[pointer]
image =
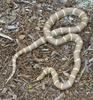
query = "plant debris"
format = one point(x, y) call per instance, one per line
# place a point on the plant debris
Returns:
point(21, 23)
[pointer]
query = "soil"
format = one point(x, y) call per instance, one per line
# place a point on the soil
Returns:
point(23, 21)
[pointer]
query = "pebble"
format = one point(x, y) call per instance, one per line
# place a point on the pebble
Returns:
point(40, 11)
point(37, 28)
point(21, 37)
point(39, 5)
point(36, 66)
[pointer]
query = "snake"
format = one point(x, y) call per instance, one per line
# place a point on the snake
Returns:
point(49, 36)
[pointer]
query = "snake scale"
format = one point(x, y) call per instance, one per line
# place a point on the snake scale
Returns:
point(49, 36)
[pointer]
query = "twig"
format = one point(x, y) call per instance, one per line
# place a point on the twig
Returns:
point(5, 36)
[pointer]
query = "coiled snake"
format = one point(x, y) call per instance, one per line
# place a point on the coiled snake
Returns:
point(49, 36)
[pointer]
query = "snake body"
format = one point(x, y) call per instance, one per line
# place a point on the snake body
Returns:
point(74, 29)
point(77, 63)
point(49, 36)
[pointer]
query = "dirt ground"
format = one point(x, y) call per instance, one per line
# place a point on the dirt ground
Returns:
point(22, 22)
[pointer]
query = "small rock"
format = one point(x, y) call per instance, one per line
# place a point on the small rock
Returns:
point(37, 28)
point(40, 11)
point(36, 66)
point(39, 5)
point(21, 37)
point(33, 18)
point(64, 59)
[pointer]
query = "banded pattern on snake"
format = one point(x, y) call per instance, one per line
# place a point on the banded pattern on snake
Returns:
point(74, 29)
point(50, 38)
